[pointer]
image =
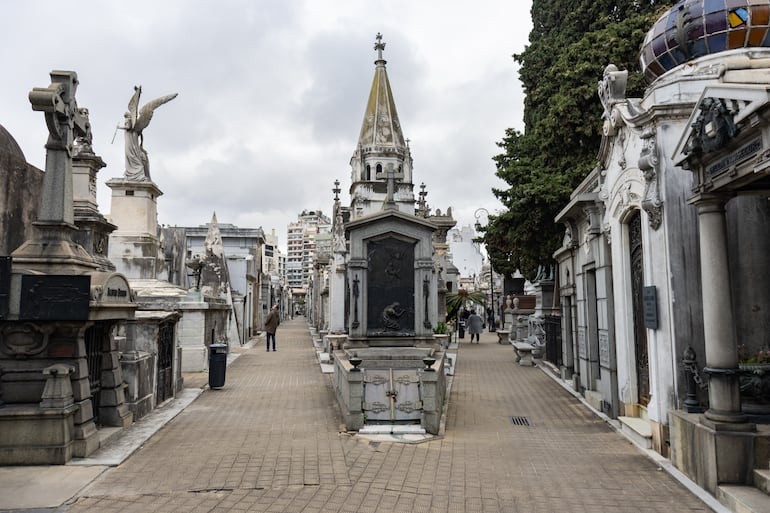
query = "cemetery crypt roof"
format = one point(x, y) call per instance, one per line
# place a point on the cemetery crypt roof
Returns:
point(694, 28)
point(8, 144)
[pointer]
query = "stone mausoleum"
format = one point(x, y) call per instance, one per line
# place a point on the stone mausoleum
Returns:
point(661, 272)
point(386, 275)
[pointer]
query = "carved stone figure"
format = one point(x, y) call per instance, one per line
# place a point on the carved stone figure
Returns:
point(136, 120)
point(391, 315)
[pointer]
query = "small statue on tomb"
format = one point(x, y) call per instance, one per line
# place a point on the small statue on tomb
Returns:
point(136, 120)
point(391, 315)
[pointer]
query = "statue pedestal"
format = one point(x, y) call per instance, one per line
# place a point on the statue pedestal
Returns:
point(134, 246)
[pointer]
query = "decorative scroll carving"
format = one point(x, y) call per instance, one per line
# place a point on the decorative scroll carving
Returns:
point(377, 379)
point(612, 90)
point(406, 379)
point(409, 406)
point(26, 339)
point(648, 164)
point(376, 407)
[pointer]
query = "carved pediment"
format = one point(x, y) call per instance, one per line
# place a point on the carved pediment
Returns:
point(110, 288)
point(718, 120)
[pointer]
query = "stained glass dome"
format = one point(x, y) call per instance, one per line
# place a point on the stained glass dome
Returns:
point(694, 28)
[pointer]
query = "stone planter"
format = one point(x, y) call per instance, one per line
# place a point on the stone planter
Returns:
point(442, 340)
point(755, 384)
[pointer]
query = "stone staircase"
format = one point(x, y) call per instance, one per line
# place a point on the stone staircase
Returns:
point(747, 499)
point(752, 498)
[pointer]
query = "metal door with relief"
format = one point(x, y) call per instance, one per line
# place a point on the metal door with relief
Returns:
point(392, 395)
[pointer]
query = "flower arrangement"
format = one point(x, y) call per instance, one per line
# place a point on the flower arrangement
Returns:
point(441, 329)
point(760, 357)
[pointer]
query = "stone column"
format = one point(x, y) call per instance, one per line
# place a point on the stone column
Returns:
point(718, 325)
point(337, 293)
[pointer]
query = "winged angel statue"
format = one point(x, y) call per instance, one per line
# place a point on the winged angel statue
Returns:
point(137, 163)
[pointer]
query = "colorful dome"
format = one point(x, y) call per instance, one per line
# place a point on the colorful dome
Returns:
point(706, 27)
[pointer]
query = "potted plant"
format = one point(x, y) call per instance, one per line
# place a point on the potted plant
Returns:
point(441, 334)
point(755, 375)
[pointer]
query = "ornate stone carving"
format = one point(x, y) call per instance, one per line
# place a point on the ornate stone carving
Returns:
point(648, 164)
point(713, 128)
point(612, 90)
point(26, 339)
point(136, 120)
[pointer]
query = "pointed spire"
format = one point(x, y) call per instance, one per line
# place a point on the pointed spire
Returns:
point(213, 240)
point(381, 126)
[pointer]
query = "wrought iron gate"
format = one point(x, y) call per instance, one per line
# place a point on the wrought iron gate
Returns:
point(553, 350)
point(165, 386)
point(94, 341)
point(392, 395)
point(640, 334)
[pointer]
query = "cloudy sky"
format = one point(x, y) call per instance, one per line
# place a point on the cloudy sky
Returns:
point(272, 94)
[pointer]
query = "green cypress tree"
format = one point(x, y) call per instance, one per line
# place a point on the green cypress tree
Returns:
point(571, 43)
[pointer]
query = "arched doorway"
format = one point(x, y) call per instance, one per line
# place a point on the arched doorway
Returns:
point(637, 283)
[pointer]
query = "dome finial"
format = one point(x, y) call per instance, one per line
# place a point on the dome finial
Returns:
point(379, 46)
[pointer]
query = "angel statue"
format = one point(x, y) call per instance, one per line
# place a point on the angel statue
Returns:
point(137, 163)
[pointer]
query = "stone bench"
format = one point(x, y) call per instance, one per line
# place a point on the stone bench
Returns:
point(503, 336)
point(523, 352)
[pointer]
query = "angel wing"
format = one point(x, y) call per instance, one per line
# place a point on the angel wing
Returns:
point(145, 113)
point(133, 104)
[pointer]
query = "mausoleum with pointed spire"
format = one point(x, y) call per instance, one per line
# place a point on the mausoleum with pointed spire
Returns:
point(381, 146)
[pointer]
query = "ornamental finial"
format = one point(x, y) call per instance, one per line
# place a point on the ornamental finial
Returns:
point(379, 46)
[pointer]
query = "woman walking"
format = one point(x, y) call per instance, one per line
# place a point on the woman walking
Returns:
point(475, 325)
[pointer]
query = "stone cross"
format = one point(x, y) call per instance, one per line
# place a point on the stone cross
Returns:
point(65, 122)
point(379, 46)
point(391, 178)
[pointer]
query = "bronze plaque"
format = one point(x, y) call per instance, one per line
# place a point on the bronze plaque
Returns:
point(55, 297)
point(390, 288)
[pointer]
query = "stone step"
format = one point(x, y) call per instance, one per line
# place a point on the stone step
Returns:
point(743, 499)
point(638, 430)
point(370, 429)
point(762, 480)
point(107, 435)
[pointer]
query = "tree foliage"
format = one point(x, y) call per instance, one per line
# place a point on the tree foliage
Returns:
point(571, 43)
point(455, 301)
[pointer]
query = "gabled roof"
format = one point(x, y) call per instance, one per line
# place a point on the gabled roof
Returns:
point(385, 214)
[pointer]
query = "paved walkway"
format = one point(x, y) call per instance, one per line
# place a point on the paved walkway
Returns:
point(271, 440)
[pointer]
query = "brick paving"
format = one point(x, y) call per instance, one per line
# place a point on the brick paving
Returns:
point(271, 441)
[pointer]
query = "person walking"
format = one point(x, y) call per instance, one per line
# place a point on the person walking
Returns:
point(271, 325)
point(475, 325)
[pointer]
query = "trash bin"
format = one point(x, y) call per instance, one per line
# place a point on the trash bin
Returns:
point(462, 328)
point(217, 365)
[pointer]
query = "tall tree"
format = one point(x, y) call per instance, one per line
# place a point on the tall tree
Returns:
point(571, 42)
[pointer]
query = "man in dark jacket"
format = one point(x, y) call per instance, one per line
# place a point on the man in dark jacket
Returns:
point(271, 325)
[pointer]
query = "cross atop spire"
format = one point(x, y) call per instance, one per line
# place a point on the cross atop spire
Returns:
point(379, 46)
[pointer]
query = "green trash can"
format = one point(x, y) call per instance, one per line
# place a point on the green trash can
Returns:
point(217, 365)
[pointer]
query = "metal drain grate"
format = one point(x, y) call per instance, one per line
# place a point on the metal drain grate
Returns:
point(520, 421)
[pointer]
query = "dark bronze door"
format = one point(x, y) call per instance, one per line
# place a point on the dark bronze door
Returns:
point(165, 385)
point(95, 337)
point(640, 334)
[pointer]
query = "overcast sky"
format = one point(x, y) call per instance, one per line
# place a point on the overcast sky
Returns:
point(272, 94)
